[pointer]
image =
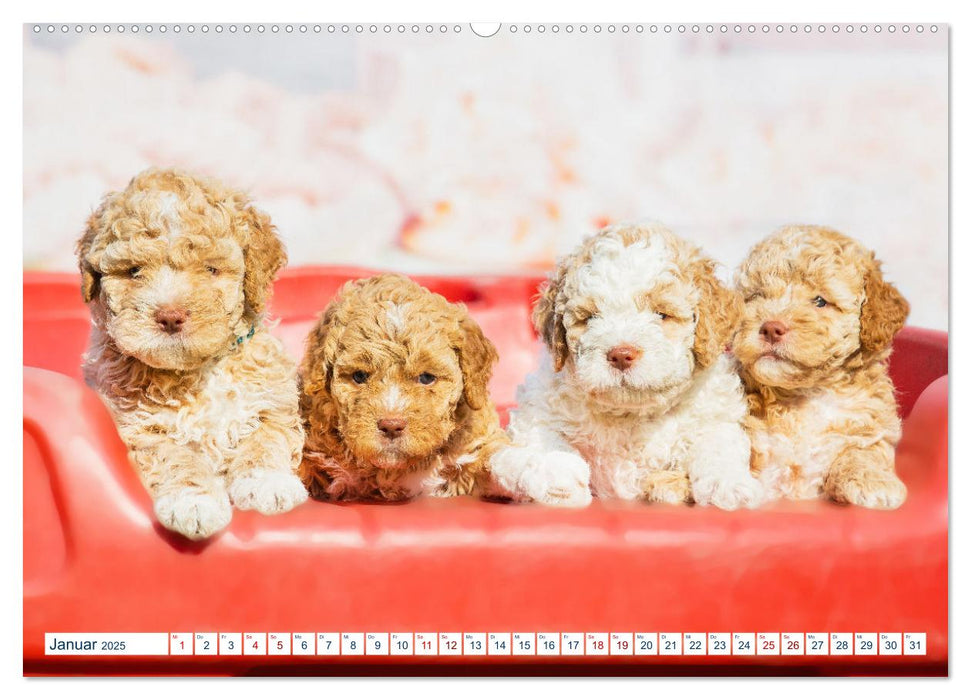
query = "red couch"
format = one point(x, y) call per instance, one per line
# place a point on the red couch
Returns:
point(95, 560)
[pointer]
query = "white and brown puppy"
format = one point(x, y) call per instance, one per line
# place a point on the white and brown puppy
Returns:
point(812, 348)
point(635, 398)
point(176, 271)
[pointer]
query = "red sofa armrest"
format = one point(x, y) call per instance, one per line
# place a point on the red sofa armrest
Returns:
point(923, 450)
point(76, 474)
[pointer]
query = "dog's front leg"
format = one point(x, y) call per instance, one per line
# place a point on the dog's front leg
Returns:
point(718, 459)
point(470, 470)
point(544, 468)
point(866, 477)
point(262, 475)
point(188, 495)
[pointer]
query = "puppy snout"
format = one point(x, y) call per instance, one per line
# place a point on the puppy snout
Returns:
point(623, 356)
point(392, 427)
point(171, 319)
point(773, 331)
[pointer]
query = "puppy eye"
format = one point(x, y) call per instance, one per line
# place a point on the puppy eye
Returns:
point(664, 317)
point(212, 270)
point(359, 377)
point(819, 301)
point(134, 271)
point(426, 378)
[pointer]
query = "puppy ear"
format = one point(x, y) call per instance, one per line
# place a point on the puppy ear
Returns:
point(318, 363)
point(549, 322)
point(883, 313)
point(318, 409)
point(477, 355)
point(263, 255)
point(717, 315)
point(90, 277)
point(317, 367)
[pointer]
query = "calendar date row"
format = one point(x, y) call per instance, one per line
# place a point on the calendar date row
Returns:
point(550, 643)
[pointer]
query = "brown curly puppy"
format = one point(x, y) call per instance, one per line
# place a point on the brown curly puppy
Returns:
point(394, 396)
point(176, 271)
point(813, 347)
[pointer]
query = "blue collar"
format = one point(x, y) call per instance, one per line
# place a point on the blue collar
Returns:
point(240, 339)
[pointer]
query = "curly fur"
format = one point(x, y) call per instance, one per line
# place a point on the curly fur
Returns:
point(390, 331)
point(210, 413)
point(667, 428)
point(823, 415)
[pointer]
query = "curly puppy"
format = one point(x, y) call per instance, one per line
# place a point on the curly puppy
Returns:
point(635, 397)
point(176, 271)
point(812, 348)
point(394, 396)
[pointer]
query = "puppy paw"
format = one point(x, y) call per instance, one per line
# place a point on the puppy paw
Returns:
point(870, 488)
point(267, 491)
point(666, 487)
point(554, 477)
point(558, 479)
point(194, 514)
point(728, 492)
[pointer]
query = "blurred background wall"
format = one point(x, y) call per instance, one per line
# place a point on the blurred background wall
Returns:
point(455, 153)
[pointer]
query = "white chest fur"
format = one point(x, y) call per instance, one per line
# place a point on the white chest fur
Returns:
point(213, 418)
point(797, 454)
point(622, 449)
point(621, 452)
point(230, 411)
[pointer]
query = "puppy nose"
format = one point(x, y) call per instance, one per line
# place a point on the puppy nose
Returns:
point(171, 319)
point(772, 331)
point(392, 427)
point(623, 356)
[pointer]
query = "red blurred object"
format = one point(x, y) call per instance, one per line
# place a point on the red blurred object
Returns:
point(95, 560)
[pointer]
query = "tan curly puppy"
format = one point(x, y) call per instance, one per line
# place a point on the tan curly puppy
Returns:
point(813, 346)
point(176, 271)
point(395, 396)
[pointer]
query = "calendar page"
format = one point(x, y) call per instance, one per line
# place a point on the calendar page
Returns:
point(415, 348)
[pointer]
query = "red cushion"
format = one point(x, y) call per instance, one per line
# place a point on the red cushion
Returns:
point(95, 560)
